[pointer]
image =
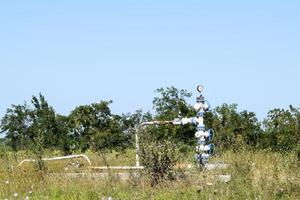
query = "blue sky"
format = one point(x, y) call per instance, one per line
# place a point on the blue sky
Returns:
point(79, 52)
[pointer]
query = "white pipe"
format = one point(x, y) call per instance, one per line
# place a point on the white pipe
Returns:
point(157, 123)
point(119, 167)
point(58, 158)
point(178, 121)
point(200, 121)
point(137, 150)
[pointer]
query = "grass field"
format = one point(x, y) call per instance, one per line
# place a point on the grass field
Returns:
point(255, 175)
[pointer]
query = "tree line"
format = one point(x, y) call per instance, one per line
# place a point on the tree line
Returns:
point(36, 126)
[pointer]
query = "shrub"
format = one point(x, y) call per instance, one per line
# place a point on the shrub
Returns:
point(158, 156)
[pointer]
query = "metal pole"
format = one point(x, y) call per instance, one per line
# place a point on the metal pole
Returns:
point(137, 152)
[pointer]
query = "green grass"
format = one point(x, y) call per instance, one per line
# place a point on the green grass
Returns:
point(255, 175)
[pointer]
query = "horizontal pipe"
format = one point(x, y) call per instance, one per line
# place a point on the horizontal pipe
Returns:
point(58, 158)
point(157, 123)
point(119, 167)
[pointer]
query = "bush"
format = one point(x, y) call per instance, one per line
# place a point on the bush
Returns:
point(158, 156)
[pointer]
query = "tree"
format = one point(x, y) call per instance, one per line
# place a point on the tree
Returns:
point(94, 126)
point(15, 124)
point(44, 123)
point(114, 136)
point(37, 126)
point(44, 132)
point(66, 140)
point(34, 128)
point(233, 129)
point(170, 104)
point(282, 129)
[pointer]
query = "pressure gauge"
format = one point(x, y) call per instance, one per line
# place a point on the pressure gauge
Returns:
point(200, 88)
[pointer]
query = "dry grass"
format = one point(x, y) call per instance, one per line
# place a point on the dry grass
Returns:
point(255, 175)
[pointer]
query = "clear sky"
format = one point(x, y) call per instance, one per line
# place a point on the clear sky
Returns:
point(79, 52)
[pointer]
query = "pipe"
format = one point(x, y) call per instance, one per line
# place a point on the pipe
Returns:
point(58, 158)
point(119, 167)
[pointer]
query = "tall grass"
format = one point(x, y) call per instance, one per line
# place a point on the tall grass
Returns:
point(255, 175)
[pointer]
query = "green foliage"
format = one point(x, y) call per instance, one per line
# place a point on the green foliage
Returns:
point(172, 103)
point(282, 129)
point(33, 128)
point(261, 171)
point(87, 120)
point(260, 174)
point(15, 124)
point(93, 126)
point(65, 139)
point(158, 155)
point(233, 129)
point(37, 126)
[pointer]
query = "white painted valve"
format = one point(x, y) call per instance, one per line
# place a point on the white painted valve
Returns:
point(200, 134)
point(205, 156)
point(209, 134)
point(202, 148)
point(201, 140)
point(201, 106)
